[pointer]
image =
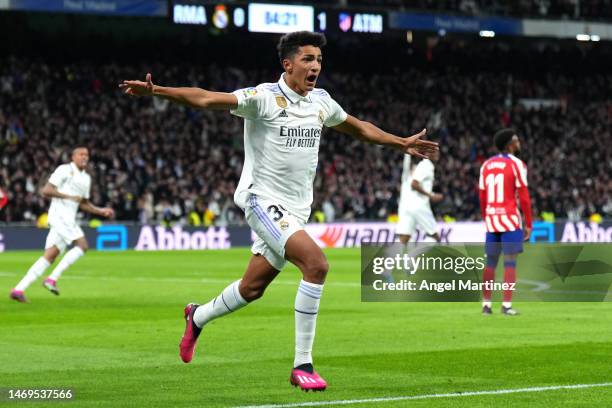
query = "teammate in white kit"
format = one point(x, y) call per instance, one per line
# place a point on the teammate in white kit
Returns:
point(282, 132)
point(416, 193)
point(68, 188)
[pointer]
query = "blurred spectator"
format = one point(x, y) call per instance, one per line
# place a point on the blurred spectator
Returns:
point(158, 162)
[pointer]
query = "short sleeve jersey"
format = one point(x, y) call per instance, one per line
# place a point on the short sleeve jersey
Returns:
point(424, 174)
point(68, 179)
point(500, 177)
point(282, 133)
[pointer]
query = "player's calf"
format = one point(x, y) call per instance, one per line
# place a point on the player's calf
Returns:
point(196, 316)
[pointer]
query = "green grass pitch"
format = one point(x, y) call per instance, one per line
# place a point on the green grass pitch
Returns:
point(112, 336)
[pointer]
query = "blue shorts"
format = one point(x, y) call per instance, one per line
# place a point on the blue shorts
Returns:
point(511, 242)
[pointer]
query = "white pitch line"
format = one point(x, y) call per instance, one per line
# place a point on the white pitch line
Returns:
point(179, 280)
point(429, 396)
point(539, 286)
point(7, 274)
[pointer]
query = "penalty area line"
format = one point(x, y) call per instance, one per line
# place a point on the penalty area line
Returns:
point(430, 396)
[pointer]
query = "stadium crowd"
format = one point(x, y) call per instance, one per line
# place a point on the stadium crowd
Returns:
point(553, 9)
point(157, 162)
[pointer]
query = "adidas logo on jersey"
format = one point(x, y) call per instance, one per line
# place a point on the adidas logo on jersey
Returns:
point(283, 114)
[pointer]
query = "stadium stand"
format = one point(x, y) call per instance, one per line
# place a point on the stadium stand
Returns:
point(159, 163)
point(546, 9)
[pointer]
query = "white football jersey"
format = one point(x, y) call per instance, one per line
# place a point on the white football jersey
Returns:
point(282, 132)
point(69, 180)
point(424, 174)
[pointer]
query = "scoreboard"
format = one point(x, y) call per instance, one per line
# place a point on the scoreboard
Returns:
point(275, 18)
point(279, 18)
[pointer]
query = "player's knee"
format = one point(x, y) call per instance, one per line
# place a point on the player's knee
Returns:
point(251, 291)
point(51, 254)
point(82, 243)
point(315, 271)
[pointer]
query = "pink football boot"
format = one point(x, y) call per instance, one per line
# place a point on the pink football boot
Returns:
point(306, 381)
point(18, 295)
point(51, 286)
point(190, 337)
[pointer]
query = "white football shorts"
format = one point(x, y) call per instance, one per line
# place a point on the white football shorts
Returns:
point(62, 235)
point(273, 225)
point(411, 218)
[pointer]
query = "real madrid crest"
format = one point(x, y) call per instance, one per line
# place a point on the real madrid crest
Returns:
point(284, 225)
point(281, 101)
point(321, 117)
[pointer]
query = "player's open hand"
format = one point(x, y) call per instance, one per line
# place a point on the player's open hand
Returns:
point(138, 88)
point(526, 233)
point(107, 212)
point(414, 146)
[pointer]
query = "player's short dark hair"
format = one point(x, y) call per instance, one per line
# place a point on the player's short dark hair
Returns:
point(77, 147)
point(503, 137)
point(289, 43)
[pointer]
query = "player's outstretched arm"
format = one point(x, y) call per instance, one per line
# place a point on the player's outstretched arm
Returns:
point(87, 206)
point(367, 132)
point(193, 97)
point(51, 191)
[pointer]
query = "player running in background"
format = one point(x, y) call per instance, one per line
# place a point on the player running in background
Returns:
point(415, 197)
point(282, 132)
point(502, 178)
point(68, 188)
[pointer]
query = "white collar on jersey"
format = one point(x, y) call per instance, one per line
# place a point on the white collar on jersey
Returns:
point(74, 167)
point(290, 93)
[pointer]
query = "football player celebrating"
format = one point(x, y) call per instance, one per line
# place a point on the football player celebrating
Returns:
point(283, 124)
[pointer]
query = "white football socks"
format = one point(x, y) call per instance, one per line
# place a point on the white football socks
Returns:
point(68, 259)
point(228, 301)
point(306, 310)
point(33, 273)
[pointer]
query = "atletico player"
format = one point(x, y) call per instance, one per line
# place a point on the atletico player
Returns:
point(503, 177)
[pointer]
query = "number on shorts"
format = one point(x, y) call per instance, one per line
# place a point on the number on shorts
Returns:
point(277, 213)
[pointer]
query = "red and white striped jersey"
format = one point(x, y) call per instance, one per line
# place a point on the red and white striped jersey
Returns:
point(501, 177)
